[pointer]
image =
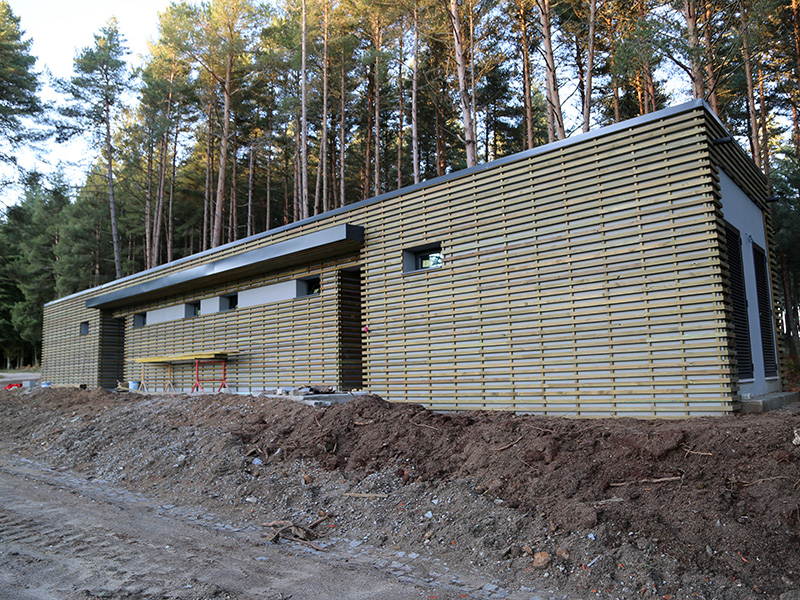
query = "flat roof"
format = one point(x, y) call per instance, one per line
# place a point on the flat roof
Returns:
point(305, 248)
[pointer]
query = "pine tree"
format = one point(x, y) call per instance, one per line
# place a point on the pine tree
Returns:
point(19, 84)
point(96, 89)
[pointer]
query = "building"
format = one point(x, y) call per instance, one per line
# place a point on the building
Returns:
point(623, 272)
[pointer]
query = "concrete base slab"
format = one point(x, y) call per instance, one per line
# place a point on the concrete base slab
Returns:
point(767, 402)
point(324, 399)
point(312, 399)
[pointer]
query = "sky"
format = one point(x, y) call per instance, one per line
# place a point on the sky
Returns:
point(59, 29)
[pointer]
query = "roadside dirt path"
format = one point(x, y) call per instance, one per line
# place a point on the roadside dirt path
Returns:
point(94, 486)
point(63, 537)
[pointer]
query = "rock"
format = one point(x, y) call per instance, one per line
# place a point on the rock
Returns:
point(790, 595)
point(541, 560)
point(796, 440)
point(562, 553)
point(513, 551)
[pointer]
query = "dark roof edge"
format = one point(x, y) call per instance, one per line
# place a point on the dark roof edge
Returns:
point(342, 232)
point(583, 137)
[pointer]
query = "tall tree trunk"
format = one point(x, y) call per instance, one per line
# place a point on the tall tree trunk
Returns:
point(323, 158)
point(696, 68)
point(111, 200)
point(764, 124)
point(250, 172)
point(207, 193)
point(268, 221)
point(553, 98)
point(440, 154)
point(612, 63)
point(342, 132)
point(148, 207)
point(378, 35)
point(472, 84)
point(216, 236)
point(158, 212)
point(286, 209)
point(527, 91)
point(414, 87)
point(370, 116)
point(304, 120)
point(463, 93)
point(400, 107)
point(751, 101)
point(233, 217)
point(162, 177)
point(711, 75)
point(171, 223)
point(588, 89)
point(796, 130)
point(794, 96)
point(298, 177)
point(790, 307)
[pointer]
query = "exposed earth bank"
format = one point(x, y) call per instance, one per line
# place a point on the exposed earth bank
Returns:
point(703, 508)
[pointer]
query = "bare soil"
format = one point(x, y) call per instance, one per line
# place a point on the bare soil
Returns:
point(473, 505)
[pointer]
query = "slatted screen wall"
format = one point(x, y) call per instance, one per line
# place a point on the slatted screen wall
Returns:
point(584, 279)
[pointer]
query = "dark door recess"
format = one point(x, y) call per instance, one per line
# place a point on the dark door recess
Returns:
point(741, 326)
point(765, 319)
point(351, 329)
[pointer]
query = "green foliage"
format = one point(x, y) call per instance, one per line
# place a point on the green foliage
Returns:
point(29, 237)
point(94, 92)
point(19, 84)
point(84, 256)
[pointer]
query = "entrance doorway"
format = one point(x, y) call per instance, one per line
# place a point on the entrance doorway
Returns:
point(350, 329)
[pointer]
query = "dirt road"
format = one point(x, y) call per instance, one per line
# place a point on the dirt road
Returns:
point(126, 496)
point(64, 537)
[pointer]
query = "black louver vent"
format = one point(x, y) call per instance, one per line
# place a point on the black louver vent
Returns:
point(765, 312)
point(741, 327)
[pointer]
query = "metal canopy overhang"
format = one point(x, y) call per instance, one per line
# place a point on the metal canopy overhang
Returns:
point(312, 247)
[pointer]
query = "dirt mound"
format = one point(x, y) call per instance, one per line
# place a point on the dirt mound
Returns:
point(615, 508)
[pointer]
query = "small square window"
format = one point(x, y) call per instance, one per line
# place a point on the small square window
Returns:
point(229, 302)
point(308, 287)
point(423, 258)
point(192, 310)
point(139, 320)
point(85, 328)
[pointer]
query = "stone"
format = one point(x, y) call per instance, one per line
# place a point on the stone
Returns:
point(512, 551)
point(541, 560)
point(562, 553)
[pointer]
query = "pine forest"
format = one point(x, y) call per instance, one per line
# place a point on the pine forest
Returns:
point(249, 115)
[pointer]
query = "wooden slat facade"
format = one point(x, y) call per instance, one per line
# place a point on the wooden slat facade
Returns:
point(583, 278)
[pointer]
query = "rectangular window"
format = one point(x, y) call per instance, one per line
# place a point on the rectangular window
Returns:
point(85, 328)
point(765, 315)
point(308, 287)
point(422, 258)
point(738, 294)
point(229, 302)
point(192, 309)
point(139, 320)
